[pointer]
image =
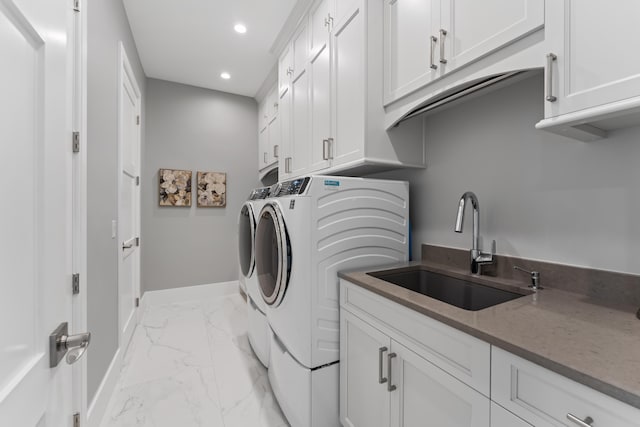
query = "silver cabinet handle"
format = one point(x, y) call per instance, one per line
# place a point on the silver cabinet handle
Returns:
point(330, 143)
point(549, 80)
point(265, 157)
point(582, 423)
point(325, 149)
point(128, 244)
point(275, 151)
point(390, 387)
point(442, 58)
point(381, 379)
point(432, 63)
point(287, 165)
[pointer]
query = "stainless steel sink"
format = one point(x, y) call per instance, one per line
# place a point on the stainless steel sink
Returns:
point(460, 293)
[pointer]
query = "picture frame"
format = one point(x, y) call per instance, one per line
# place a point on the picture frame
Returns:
point(174, 187)
point(212, 189)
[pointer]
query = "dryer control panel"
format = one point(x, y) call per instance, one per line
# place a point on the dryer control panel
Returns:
point(288, 188)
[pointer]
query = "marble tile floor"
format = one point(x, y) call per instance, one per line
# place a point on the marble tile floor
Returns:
point(190, 365)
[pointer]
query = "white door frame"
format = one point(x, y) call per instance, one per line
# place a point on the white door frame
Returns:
point(79, 205)
point(125, 71)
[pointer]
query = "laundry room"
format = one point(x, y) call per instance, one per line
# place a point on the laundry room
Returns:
point(321, 213)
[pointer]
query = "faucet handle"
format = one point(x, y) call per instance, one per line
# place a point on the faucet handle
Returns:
point(535, 277)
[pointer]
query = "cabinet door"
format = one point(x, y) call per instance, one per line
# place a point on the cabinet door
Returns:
point(408, 48)
point(348, 40)
point(262, 115)
point(300, 46)
point(320, 81)
point(274, 140)
point(500, 417)
point(364, 401)
point(263, 148)
point(284, 70)
point(471, 29)
point(300, 126)
point(285, 153)
point(425, 395)
point(600, 62)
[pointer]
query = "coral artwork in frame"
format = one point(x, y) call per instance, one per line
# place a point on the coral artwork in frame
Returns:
point(175, 187)
point(212, 189)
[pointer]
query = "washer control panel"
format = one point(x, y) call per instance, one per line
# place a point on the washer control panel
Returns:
point(287, 188)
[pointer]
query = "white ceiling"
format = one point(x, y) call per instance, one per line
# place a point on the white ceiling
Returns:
point(193, 41)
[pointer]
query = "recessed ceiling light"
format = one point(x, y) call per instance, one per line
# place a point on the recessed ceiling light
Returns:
point(240, 28)
point(225, 76)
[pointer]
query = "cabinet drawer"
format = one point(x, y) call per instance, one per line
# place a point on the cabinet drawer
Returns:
point(461, 355)
point(545, 398)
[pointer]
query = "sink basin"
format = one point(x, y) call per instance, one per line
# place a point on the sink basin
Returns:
point(460, 293)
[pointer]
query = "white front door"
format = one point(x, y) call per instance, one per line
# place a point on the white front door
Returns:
point(36, 107)
point(129, 201)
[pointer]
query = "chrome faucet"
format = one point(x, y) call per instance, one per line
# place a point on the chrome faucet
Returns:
point(478, 257)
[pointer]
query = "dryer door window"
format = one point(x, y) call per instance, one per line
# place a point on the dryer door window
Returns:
point(273, 255)
point(246, 243)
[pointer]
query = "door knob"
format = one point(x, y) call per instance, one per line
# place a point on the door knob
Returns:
point(61, 343)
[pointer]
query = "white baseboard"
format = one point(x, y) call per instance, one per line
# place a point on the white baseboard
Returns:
point(188, 293)
point(98, 407)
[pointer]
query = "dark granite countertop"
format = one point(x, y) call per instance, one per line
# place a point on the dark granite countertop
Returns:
point(593, 342)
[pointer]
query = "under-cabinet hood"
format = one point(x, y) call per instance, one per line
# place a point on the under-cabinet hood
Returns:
point(466, 91)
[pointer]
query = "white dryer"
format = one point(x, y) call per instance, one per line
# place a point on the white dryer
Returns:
point(258, 328)
point(308, 230)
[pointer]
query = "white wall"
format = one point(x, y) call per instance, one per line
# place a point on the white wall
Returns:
point(107, 26)
point(541, 196)
point(199, 130)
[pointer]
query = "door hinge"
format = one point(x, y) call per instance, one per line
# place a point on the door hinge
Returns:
point(76, 419)
point(76, 5)
point(137, 120)
point(137, 180)
point(75, 283)
point(137, 241)
point(75, 142)
point(137, 302)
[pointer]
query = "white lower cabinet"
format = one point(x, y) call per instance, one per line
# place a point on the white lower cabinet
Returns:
point(383, 383)
point(546, 399)
point(397, 369)
point(500, 417)
point(364, 400)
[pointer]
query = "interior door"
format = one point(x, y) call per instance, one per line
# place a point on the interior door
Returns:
point(36, 82)
point(129, 202)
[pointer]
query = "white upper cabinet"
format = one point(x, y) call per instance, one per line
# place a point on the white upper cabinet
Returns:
point(470, 29)
point(269, 133)
point(594, 72)
point(408, 28)
point(335, 85)
point(320, 72)
point(347, 142)
point(427, 39)
point(285, 68)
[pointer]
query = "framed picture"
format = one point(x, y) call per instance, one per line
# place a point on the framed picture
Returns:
point(175, 187)
point(212, 189)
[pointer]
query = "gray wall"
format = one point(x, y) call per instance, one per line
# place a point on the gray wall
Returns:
point(199, 130)
point(108, 26)
point(541, 196)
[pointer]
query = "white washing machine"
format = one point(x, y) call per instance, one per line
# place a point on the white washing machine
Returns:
point(258, 328)
point(308, 230)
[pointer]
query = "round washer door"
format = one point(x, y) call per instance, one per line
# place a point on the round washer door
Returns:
point(246, 240)
point(273, 254)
